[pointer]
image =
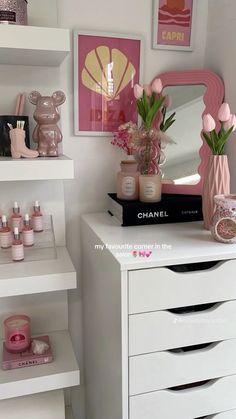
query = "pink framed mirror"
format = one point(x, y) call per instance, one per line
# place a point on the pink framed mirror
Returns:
point(193, 93)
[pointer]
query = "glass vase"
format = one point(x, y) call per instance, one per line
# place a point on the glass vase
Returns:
point(149, 151)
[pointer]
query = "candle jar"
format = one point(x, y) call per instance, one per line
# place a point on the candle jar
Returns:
point(13, 12)
point(17, 333)
point(223, 226)
point(150, 187)
point(127, 181)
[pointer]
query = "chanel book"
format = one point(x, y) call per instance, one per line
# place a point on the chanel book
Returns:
point(27, 358)
point(171, 209)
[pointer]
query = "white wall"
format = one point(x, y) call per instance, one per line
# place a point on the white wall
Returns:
point(96, 161)
point(220, 57)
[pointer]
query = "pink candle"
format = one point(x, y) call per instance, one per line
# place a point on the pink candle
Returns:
point(17, 333)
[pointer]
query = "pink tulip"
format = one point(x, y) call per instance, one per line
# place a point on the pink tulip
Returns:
point(208, 123)
point(167, 102)
point(148, 89)
point(157, 86)
point(230, 123)
point(224, 112)
point(138, 91)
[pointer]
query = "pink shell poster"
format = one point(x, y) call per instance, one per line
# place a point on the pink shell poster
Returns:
point(107, 70)
point(174, 22)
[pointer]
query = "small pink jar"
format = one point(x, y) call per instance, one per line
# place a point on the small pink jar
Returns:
point(223, 226)
point(17, 333)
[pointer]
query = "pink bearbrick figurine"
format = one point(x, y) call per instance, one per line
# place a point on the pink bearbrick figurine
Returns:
point(46, 133)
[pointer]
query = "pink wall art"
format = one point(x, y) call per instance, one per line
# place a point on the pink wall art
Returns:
point(173, 25)
point(106, 68)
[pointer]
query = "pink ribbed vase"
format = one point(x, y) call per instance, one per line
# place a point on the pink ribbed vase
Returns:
point(216, 182)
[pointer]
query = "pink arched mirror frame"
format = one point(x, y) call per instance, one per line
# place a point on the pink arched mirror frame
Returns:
point(213, 98)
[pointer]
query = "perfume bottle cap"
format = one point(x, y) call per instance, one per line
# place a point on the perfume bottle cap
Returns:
point(16, 208)
point(16, 233)
point(27, 218)
point(4, 219)
point(36, 204)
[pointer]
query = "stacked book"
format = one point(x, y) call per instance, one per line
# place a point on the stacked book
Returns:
point(171, 209)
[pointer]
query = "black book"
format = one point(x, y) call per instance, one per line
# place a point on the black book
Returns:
point(172, 208)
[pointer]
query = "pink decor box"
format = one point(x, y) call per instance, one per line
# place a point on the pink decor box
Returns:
point(27, 358)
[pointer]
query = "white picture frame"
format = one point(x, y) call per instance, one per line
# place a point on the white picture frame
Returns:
point(173, 32)
point(77, 128)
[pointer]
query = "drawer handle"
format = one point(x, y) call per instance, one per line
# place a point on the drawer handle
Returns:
point(191, 386)
point(196, 348)
point(193, 267)
point(193, 309)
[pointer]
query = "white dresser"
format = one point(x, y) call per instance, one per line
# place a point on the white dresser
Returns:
point(159, 325)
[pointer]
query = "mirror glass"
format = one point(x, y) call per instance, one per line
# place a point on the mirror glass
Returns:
point(182, 158)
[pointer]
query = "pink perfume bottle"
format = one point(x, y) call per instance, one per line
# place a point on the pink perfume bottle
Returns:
point(17, 247)
point(17, 333)
point(37, 218)
point(5, 234)
point(27, 232)
point(16, 218)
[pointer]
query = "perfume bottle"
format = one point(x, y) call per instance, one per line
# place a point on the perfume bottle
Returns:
point(27, 232)
point(17, 247)
point(5, 234)
point(16, 218)
point(37, 218)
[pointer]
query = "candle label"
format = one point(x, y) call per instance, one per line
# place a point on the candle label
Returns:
point(6, 240)
point(128, 186)
point(38, 223)
point(7, 16)
point(15, 338)
point(149, 190)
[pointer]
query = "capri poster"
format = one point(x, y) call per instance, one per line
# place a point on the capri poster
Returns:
point(174, 23)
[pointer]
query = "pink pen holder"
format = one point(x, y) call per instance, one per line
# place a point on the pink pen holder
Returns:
point(17, 333)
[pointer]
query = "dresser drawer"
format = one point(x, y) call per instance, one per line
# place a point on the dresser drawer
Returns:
point(161, 288)
point(161, 330)
point(161, 370)
point(213, 397)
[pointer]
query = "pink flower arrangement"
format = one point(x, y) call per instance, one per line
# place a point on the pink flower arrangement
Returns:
point(217, 140)
point(125, 137)
point(152, 105)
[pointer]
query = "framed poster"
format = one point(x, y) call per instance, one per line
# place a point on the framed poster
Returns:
point(106, 68)
point(173, 24)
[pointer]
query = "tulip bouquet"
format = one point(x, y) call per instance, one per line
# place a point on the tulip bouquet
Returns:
point(217, 140)
point(152, 104)
point(152, 107)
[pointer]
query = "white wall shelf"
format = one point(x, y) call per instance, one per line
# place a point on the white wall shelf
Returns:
point(42, 168)
point(63, 372)
point(32, 45)
point(39, 276)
